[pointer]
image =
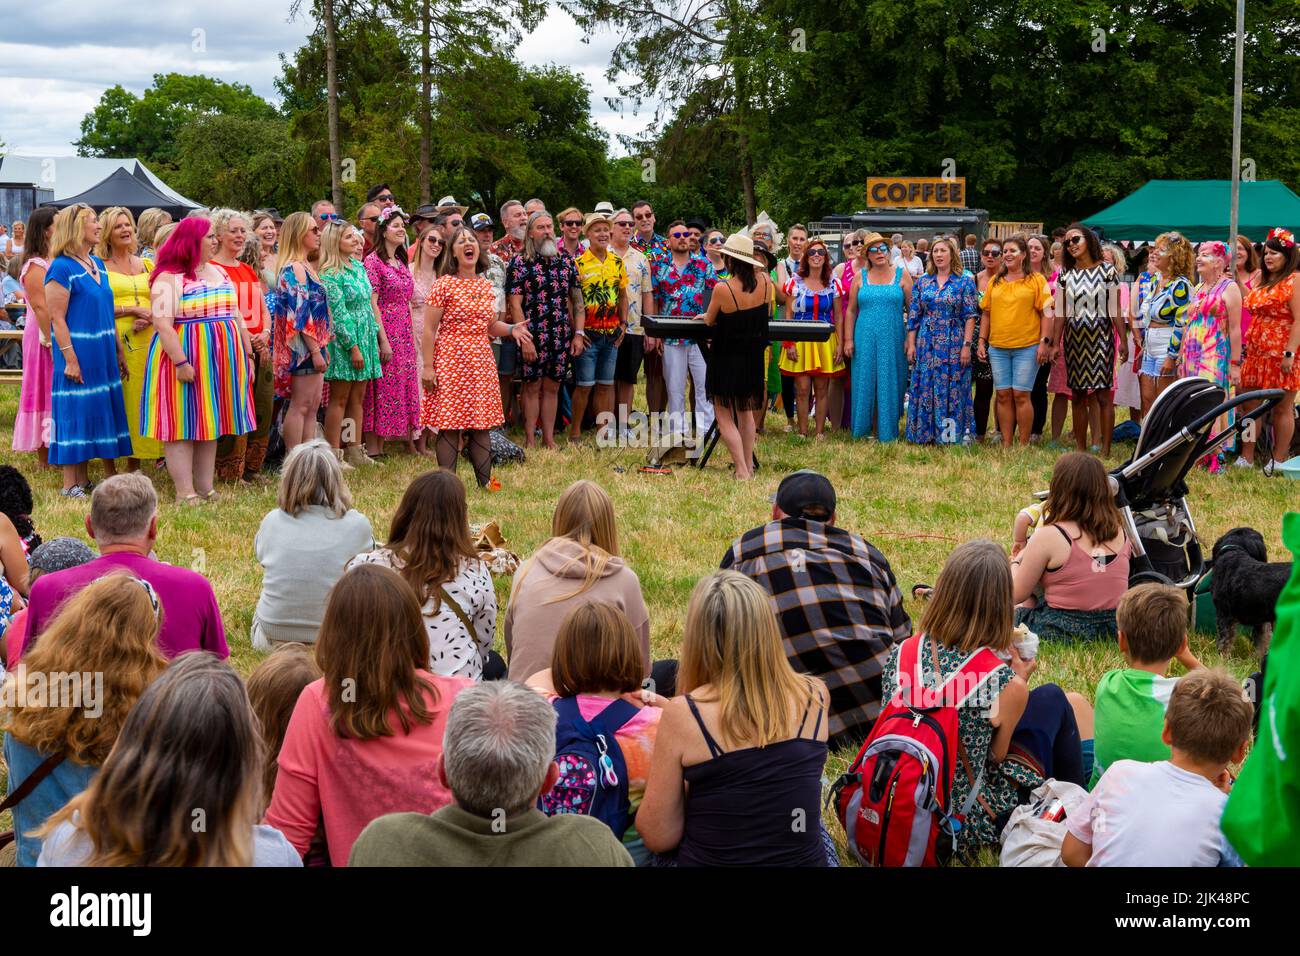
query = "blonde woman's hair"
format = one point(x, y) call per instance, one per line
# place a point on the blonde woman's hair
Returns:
point(69, 229)
point(332, 258)
point(733, 644)
point(292, 231)
point(107, 223)
point(109, 628)
point(954, 261)
point(585, 515)
point(160, 236)
point(146, 228)
point(190, 742)
point(312, 476)
point(971, 606)
point(1118, 259)
point(220, 219)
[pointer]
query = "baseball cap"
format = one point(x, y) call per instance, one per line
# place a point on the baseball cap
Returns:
point(59, 554)
point(480, 220)
point(803, 490)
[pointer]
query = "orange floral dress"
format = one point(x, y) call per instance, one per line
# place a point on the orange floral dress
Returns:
point(467, 394)
point(1266, 339)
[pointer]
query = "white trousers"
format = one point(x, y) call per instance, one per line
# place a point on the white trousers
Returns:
point(678, 360)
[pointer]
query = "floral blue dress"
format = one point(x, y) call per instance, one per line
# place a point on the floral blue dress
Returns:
point(939, 407)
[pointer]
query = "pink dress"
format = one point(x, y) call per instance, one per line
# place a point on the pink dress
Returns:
point(30, 429)
point(392, 403)
point(1057, 383)
point(419, 300)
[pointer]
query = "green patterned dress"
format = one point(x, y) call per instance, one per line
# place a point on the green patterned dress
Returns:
point(353, 322)
point(1003, 783)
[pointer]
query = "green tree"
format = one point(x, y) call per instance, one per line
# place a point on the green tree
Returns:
point(146, 127)
point(241, 163)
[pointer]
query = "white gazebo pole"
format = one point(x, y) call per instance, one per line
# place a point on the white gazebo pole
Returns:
point(1236, 138)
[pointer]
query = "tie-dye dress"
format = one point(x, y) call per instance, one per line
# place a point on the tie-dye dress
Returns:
point(220, 399)
point(1202, 344)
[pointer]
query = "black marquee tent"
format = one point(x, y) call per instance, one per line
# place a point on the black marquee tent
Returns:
point(122, 188)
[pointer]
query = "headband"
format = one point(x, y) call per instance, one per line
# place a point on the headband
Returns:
point(1283, 237)
point(1217, 248)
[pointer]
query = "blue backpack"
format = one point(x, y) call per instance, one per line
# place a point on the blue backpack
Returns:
point(593, 773)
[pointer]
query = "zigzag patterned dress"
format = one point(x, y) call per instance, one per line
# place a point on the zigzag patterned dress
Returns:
point(1090, 297)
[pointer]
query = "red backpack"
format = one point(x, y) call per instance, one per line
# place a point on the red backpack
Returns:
point(894, 799)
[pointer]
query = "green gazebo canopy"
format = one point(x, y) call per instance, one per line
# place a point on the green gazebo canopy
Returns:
point(1199, 209)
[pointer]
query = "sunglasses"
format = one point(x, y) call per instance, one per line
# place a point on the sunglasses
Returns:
point(716, 241)
point(992, 253)
point(680, 235)
point(571, 222)
point(625, 224)
point(385, 199)
point(853, 245)
point(878, 248)
point(370, 219)
point(456, 223)
point(1074, 240)
point(819, 253)
point(327, 216)
point(643, 216)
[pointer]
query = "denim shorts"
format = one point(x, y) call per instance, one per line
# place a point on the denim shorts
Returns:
point(1155, 348)
point(1014, 368)
point(507, 356)
point(595, 366)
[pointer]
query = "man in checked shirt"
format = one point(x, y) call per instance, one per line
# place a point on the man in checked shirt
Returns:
point(835, 597)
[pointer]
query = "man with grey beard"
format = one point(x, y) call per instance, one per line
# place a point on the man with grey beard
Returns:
point(542, 289)
point(515, 222)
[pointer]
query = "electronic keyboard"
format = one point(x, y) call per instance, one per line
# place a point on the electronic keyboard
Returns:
point(694, 330)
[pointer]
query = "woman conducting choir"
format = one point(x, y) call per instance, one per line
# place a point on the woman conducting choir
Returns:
point(739, 309)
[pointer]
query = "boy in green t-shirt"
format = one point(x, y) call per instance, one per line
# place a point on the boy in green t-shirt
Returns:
point(1131, 702)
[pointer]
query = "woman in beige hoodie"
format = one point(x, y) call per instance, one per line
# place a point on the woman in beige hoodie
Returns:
point(580, 564)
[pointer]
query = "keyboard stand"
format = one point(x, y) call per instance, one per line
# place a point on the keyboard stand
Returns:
point(710, 442)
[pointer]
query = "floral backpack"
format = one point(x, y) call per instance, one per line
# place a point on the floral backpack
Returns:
point(593, 773)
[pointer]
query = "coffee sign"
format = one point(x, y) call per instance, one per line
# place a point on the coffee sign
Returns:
point(918, 191)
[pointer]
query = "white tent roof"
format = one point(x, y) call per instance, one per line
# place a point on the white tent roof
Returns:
point(73, 175)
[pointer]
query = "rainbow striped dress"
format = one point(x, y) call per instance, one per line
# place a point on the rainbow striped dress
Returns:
point(220, 399)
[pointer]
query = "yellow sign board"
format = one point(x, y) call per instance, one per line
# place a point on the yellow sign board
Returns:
point(916, 191)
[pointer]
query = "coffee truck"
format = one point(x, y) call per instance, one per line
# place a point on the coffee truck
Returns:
point(918, 207)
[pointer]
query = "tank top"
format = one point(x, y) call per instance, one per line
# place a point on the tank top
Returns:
point(740, 805)
point(1085, 583)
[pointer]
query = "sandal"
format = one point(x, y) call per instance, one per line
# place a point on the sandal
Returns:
point(191, 500)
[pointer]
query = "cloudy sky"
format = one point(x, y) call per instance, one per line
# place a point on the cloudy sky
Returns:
point(52, 78)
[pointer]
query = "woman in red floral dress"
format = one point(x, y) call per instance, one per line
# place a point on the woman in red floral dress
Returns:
point(1273, 339)
point(460, 373)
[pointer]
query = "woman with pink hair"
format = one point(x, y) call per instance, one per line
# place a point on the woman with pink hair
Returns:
point(198, 375)
point(1209, 345)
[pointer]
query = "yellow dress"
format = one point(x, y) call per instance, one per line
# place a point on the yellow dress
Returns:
point(133, 291)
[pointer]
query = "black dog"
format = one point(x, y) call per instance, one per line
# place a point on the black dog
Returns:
point(1245, 587)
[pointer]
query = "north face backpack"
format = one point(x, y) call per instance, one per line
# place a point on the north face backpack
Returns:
point(593, 773)
point(894, 801)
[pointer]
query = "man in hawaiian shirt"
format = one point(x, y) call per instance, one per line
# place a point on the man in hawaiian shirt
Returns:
point(682, 284)
point(646, 241)
point(542, 289)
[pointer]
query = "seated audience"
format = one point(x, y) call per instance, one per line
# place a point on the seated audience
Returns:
point(106, 636)
point(497, 760)
point(189, 753)
point(273, 691)
point(1079, 556)
point(580, 563)
point(123, 521)
point(596, 671)
point(364, 739)
point(740, 755)
point(837, 603)
point(1167, 813)
point(429, 545)
point(1017, 737)
point(1131, 700)
point(304, 545)
point(56, 555)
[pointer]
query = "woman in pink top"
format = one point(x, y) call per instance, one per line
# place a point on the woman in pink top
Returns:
point(366, 739)
point(1079, 556)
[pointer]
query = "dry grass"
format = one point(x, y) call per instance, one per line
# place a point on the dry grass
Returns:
point(914, 504)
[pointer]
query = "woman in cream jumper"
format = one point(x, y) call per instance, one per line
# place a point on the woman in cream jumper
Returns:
point(580, 564)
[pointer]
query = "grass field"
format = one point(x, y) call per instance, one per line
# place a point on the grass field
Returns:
point(914, 504)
